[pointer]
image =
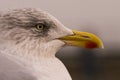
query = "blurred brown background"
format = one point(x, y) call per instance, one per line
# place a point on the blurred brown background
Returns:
point(101, 17)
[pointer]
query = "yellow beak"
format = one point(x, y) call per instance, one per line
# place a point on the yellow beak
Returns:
point(83, 39)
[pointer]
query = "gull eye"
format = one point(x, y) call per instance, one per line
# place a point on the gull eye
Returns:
point(39, 26)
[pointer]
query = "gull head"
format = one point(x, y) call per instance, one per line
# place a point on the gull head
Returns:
point(33, 31)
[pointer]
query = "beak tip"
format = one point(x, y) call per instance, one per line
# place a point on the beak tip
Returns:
point(102, 47)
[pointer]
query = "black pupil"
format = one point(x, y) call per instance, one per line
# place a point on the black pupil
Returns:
point(40, 26)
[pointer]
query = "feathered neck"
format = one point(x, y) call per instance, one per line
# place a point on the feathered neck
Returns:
point(32, 50)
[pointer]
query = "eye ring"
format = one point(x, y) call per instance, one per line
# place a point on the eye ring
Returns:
point(39, 26)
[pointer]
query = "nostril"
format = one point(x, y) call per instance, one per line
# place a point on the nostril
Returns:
point(86, 36)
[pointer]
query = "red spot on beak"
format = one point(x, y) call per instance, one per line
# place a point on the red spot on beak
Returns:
point(91, 45)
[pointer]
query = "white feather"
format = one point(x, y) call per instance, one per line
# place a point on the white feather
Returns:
point(32, 59)
point(32, 67)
